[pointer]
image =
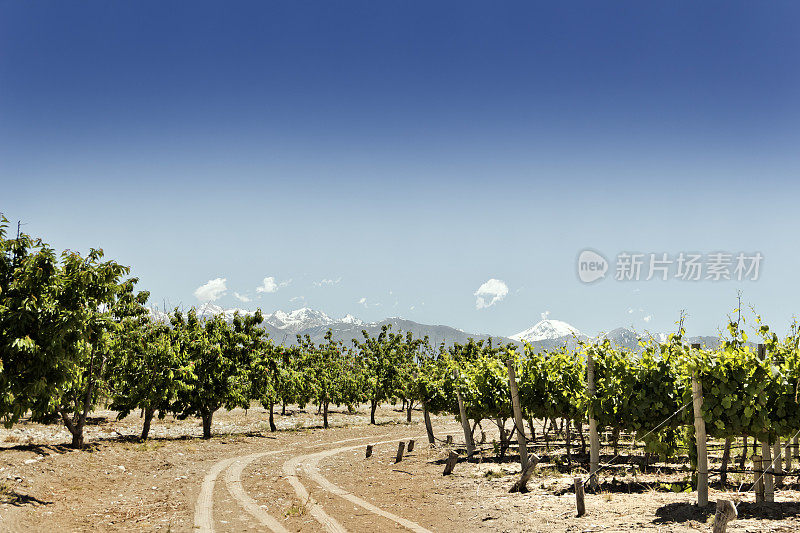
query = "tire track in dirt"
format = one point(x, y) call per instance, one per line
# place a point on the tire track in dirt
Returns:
point(292, 466)
point(204, 508)
point(233, 480)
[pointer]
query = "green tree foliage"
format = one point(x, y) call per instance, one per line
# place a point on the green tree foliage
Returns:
point(219, 358)
point(147, 370)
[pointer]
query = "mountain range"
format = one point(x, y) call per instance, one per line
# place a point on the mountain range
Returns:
point(283, 327)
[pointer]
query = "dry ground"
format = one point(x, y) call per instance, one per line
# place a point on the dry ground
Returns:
point(248, 479)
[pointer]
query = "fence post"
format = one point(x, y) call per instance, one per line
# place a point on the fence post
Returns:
point(594, 440)
point(758, 478)
point(369, 451)
point(777, 460)
point(700, 435)
point(523, 445)
point(464, 422)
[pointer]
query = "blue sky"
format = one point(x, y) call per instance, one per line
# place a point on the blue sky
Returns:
point(410, 152)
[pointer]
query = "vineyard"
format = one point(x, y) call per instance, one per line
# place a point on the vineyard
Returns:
point(76, 336)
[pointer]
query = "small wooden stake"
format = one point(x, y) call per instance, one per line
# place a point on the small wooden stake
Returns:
point(401, 447)
point(758, 478)
point(448, 441)
point(726, 512)
point(411, 446)
point(452, 459)
point(522, 483)
point(579, 497)
point(369, 451)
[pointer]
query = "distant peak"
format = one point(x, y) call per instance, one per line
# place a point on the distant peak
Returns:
point(546, 329)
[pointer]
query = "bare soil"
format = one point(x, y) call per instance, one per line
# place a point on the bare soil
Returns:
point(120, 484)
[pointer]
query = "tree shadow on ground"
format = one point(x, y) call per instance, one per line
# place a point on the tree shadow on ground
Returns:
point(51, 449)
point(683, 511)
point(12, 497)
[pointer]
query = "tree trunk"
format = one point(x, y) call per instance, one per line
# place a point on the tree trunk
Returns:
point(744, 452)
point(615, 439)
point(75, 429)
point(428, 426)
point(319, 409)
point(325, 415)
point(272, 426)
point(503, 439)
point(283, 408)
point(579, 424)
point(207, 424)
point(148, 417)
point(568, 436)
point(726, 456)
point(408, 412)
point(373, 406)
point(77, 440)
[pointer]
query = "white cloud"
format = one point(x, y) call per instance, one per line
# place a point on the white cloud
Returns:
point(296, 298)
point(630, 310)
point(214, 289)
point(545, 315)
point(493, 290)
point(241, 297)
point(324, 282)
point(270, 285)
point(648, 318)
point(363, 301)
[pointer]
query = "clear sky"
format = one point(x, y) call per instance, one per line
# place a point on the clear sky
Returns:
point(409, 152)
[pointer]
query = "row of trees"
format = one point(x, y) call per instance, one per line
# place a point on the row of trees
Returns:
point(74, 331)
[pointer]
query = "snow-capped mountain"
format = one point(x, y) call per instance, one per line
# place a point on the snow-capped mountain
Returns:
point(546, 329)
point(296, 321)
point(624, 337)
point(283, 327)
point(207, 310)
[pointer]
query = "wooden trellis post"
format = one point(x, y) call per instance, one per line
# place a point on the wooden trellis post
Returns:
point(777, 460)
point(758, 478)
point(523, 445)
point(700, 435)
point(594, 440)
point(766, 466)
